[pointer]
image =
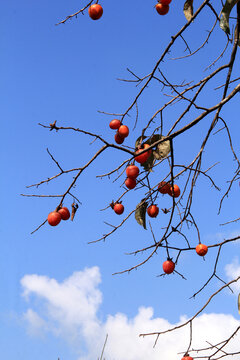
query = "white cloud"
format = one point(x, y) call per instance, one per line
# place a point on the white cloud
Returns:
point(233, 271)
point(71, 311)
point(35, 322)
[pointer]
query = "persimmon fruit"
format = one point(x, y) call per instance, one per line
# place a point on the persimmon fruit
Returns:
point(168, 266)
point(64, 212)
point(187, 357)
point(162, 9)
point(143, 157)
point(165, 2)
point(118, 208)
point(123, 131)
point(164, 187)
point(115, 124)
point(153, 211)
point(174, 191)
point(201, 249)
point(118, 138)
point(95, 11)
point(54, 218)
point(132, 171)
point(130, 183)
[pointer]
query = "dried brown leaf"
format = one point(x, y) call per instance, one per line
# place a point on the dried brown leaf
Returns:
point(226, 10)
point(188, 9)
point(140, 213)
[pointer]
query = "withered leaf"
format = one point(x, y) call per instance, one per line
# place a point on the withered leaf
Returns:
point(162, 150)
point(226, 10)
point(239, 303)
point(188, 9)
point(235, 36)
point(140, 213)
point(139, 141)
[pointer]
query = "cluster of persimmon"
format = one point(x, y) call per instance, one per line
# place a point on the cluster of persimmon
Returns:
point(56, 216)
point(122, 130)
point(162, 7)
point(169, 265)
point(163, 188)
point(95, 11)
point(132, 172)
point(166, 188)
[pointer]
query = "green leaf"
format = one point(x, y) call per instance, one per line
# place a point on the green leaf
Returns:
point(226, 10)
point(188, 9)
point(140, 213)
point(239, 303)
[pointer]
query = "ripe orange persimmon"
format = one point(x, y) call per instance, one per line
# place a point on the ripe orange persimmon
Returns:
point(168, 266)
point(153, 210)
point(95, 11)
point(143, 157)
point(118, 138)
point(132, 171)
point(164, 187)
point(130, 183)
point(64, 212)
point(162, 9)
point(174, 191)
point(54, 218)
point(187, 357)
point(123, 131)
point(115, 124)
point(118, 208)
point(201, 249)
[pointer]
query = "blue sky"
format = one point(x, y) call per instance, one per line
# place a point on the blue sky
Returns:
point(68, 73)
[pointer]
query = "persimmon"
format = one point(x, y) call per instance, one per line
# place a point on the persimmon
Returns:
point(168, 266)
point(64, 212)
point(201, 249)
point(118, 138)
point(165, 2)
point(153, 210)
point(143, 157)
point(115, 124)
point(164, 187)
point(174, 191)
point(118, 208)
point(187, 357)
point(123, 131)
point(95, 11)
point(132, 171)
point(130, 183)
point(162, 9)
point(54, 218)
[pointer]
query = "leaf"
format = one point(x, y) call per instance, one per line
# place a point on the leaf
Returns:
point(140, 213)
point(226, 10)
point(163, 149)
point(139, 141)
point(153, 139)
point(239, 303)
point(235, 36)
point(149, 163)
point(188, 9)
